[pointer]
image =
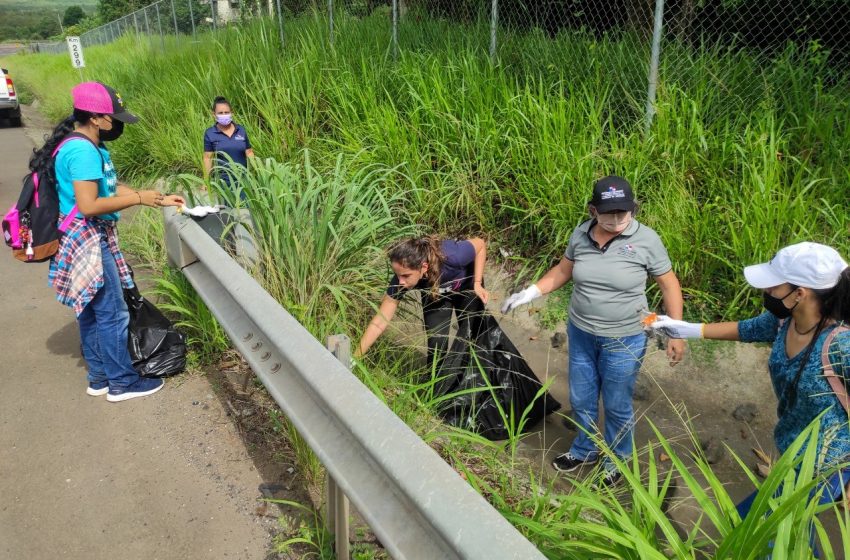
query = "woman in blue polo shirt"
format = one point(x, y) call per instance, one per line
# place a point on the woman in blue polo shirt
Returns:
point(609, 259)
point(225, 139)
point(449, 275)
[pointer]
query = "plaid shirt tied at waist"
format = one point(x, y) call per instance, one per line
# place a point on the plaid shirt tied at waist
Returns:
point(76, 270)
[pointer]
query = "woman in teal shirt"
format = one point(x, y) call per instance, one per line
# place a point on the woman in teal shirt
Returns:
point(807, 297)
point(89, 271)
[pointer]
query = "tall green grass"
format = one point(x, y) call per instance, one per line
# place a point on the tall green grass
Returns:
point(745, 155)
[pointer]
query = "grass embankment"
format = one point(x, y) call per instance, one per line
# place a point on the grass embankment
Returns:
point(744, 157)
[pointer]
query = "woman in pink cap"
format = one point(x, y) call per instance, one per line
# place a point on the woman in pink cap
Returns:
point(806, 290)
point(89, 272)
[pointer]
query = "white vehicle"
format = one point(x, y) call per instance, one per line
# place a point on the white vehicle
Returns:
point(9, 106)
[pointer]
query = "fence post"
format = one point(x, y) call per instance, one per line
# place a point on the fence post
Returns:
point(159, 25)
point(147, 23)
point(280, 24)
point(494, 25)
point(136, 25)
point(214, 9)
point(192, 18)
point(174, 18)
point(331, 19)
point(337, 502)
point(395, 29)
point(653, 63)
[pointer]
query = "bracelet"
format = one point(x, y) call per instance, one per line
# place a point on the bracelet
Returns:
point(140, 196)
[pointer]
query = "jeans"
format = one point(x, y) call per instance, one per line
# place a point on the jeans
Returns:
point(103, 329)
point(832, 492)
point(438, 320)
point(606, 366)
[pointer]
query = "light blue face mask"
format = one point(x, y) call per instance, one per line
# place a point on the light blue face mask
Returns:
point(224, 119)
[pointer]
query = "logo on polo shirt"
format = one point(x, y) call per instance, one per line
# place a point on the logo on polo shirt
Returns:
point(613, 193)
point(627, 250)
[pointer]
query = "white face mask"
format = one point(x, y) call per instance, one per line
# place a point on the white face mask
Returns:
point(614, 223)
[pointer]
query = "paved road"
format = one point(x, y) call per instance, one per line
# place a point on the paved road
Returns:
point(161, 477)
point(10, 48)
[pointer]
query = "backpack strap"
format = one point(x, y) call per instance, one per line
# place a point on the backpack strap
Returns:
point(837, 386)
point(66, 223)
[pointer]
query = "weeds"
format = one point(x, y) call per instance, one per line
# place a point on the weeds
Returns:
point(443, 140)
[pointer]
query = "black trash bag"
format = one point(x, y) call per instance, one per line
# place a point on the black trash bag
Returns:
point(512, 384)
point(156, 347)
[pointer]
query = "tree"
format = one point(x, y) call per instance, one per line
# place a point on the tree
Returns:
point(48, 26)
point(108, 10)
point(73, 15)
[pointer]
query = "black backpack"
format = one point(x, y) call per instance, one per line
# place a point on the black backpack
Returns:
point(30, 227)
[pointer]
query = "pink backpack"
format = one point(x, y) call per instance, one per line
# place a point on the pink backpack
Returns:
point(29, 227)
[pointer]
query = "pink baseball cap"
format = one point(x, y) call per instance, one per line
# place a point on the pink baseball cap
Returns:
point(806, 264)
point(99, 98)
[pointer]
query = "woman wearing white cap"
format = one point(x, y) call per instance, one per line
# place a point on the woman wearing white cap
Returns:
point(807, 298)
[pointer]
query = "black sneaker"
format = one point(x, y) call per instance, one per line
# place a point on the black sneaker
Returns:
point(567, 462)
point(608, 479)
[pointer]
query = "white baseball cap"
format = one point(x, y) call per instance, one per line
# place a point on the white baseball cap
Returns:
point(806, 264)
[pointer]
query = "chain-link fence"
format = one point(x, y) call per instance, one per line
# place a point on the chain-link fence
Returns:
point(627, 47)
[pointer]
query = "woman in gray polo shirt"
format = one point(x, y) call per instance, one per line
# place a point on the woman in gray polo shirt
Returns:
point(609, 259)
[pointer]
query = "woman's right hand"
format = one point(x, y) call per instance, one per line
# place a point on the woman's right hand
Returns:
point(150, 198)
point(521, 298)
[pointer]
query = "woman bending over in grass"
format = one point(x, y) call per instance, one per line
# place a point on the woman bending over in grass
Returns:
point(449, 275)
point(806, 291)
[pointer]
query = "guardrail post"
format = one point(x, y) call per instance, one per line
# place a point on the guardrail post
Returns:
point(337, 502)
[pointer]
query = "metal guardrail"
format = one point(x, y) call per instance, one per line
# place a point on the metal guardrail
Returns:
point(415, 503)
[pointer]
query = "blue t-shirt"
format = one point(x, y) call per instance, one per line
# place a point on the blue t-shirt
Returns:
point(456, 272)
point(234, 146)
point(79, 160)
point(814, 394)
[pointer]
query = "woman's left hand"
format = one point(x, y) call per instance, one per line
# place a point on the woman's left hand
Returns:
point(171, 200)
point(482, 294)
point(675, 350)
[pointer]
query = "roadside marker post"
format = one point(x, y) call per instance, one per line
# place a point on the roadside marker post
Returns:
point(75, 49)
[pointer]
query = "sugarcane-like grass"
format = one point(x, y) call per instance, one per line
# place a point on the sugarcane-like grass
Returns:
point(745, 155)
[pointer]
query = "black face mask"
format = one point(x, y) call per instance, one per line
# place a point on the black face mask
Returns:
point(113, 133)
point(775, 305)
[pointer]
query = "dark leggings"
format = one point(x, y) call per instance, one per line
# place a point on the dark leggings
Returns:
point(438, 320)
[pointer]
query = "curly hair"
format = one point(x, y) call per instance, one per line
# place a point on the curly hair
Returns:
point(412, 252)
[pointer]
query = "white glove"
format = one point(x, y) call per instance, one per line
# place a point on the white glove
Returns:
point(521, 298)
point(674, 328)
